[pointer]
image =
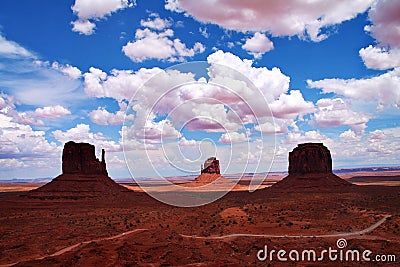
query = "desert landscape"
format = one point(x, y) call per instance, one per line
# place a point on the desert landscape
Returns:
point(199, 133)
point(86, 219)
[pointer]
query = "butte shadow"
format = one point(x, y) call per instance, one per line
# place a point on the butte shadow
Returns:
point(84, 176)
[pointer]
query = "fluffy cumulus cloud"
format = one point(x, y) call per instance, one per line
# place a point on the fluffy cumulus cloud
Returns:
point(155, 22)
point(309, 136)
point(81, 133)
point(233, 97)
point(159, 45)
point(120, 84)
point(349, 135)
point(51, 112)
point(70, 71)
point(385, 19)
point(89, 10)
point(185, 142)
point(103, 117)
point(20, 143)
point(336, 112)
point(271, 82)
point(280, 18)
point(380, 58)
point(233, 137)
point(258, 45)
point(291, 105)
point(277, 126)
point(83, 27)
point(8, 107)
point(384, 88)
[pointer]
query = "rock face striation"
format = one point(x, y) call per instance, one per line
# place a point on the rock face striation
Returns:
point(310, 166)
point(211, 166)
point(84, 176)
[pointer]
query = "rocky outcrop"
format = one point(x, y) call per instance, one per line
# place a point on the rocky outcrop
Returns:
point(211, 166)
point(310, 167)
point(310, 158)
point(81, 158)
point(210, 173)
point(84, 176)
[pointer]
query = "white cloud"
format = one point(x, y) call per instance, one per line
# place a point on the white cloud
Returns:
point(384, 88)
point(277, 126)
point(83, 27)
point(280, 18)
point(70, 71)
point(153, 45)
point(93, 9)
point(154, 131)
point(349, 135)
point(243, 97)
point(272, 82)
point(309, 136)
point(335, 112)
point(81, 133)
point(120, 84)
point(103, 117)
point(376, 135)
point(203, 31)
point(11, 164)
point(385, 19)
point(8, 108)
point(29, 80)
point(155, 22)
point(233, 137)
point(184, 142)
point(258, 45)
point(27, 118)
point(21, 141)
point(51, 112)
point(173, 5)
point(384, 15)
point(11, 49)
point(289, 106)
point(380, 58)
point(87, 9)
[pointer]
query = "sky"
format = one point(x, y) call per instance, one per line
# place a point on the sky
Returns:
point(163, 85)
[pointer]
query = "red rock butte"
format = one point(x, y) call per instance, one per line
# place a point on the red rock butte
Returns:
point(83, 176)
point(310, 166)
point(209, 173)
point(211, 166)
point(81, 158)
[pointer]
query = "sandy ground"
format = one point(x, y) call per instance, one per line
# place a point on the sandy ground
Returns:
point(89, 232)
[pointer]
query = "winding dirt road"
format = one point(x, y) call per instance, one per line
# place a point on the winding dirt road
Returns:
point(72, 247)
point(64, 250)
point(364, 231)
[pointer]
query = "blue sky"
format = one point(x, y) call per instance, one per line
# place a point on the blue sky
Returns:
point(296, 71)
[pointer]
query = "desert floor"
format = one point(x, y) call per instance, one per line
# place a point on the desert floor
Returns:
point(136, 230)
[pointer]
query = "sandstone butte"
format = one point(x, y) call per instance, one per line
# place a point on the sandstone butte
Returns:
point(83, 176)
point(310, 167)
point(210, 172)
